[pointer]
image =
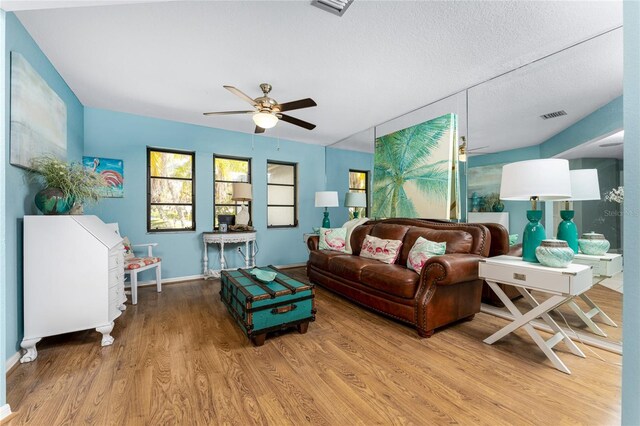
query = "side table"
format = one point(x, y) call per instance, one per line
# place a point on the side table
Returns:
point(562, 283)
point(605, 266)
point(222, 238)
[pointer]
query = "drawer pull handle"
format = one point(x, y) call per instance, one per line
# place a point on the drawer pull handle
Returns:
point(521, 277)
point(283, 309)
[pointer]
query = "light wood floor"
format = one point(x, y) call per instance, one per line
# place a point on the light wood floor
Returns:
point(178, 358)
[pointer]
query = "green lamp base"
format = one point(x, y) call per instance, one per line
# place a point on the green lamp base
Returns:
point(325, 222)
point(356, 214)
point(567, 230)
point(532, 236)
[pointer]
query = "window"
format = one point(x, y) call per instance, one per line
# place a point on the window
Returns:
point(281, 195)
point(227, 170)
point(171, 201)
point(359, 182)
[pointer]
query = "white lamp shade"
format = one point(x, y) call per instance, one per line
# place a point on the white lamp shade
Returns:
point(584, 185)
point(241, 191)
point(326, 199)
point(547, 179)
point(355, 199)
point(265, 120)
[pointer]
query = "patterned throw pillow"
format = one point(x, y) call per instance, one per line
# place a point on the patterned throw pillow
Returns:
point(333, 239)
point(386, 251)
point(128, 250)
point(421, 251)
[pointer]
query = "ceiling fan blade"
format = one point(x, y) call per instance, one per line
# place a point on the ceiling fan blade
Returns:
point(299, 104)
point(241, 94)
point(296, 121)
point(228, 112)
point(259, 130)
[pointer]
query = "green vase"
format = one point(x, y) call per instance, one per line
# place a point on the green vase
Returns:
point(326, 223)
point(533, 236)
point(498, 207)
point(51, 201)
point(567, 230)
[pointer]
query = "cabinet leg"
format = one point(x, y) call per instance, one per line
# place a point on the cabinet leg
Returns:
point(29, 345)
point(107, 339)
point(258, 339)
point(303, 327)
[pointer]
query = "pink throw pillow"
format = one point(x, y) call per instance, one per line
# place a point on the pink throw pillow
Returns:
point(386, 251)
point(333, 239)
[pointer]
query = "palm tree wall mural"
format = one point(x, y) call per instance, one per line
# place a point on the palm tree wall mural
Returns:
point(413, 171)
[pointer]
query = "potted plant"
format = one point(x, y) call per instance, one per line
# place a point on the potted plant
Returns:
point(493, 203)
point(65, 184)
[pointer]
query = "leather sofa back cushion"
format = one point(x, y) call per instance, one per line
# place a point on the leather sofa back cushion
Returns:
point(457, 241)
point(357, 238)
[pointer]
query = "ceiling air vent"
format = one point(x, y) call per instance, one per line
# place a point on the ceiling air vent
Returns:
point(337, 7)
point(553, 114)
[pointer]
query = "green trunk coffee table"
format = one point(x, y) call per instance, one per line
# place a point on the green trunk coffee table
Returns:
point(260, 307)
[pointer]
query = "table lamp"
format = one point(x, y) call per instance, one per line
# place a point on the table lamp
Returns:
point(584, 187)
point(326, 199)
point(357, 200)
point(241, 192)
point(535, 180)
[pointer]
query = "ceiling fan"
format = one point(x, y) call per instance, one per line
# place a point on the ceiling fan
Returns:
point(463, 150)
point(267, 111)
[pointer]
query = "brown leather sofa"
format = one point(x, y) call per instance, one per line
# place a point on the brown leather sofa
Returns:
point(446, 290)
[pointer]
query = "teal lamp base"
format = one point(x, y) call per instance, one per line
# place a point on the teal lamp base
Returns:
point(325, 222)
point(356, 214)
point(532, 236)
point(567, 230)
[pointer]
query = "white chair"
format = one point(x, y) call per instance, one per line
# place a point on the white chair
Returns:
point(134, 265)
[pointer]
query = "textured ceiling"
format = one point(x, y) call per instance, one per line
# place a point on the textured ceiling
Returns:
point(381, 59)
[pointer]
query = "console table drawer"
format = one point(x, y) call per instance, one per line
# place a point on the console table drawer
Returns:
point(573, 280)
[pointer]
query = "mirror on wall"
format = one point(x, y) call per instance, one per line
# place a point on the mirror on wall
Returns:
point(567, 105)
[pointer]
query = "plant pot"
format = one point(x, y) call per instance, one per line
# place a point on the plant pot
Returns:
point(51, 201)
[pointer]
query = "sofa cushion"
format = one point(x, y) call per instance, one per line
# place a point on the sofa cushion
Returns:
point(320, 258)
point(421, 251)
point(357, 238)
point(350, 267)
point(388, 231)
point(391, 279)
point(386, 251)
point(457, 241)
point(332, 239)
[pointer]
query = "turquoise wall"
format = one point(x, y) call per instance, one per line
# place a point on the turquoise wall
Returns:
point(631, 237)
point(19, 199)
point(125, 136)
point(3, 241)
point(338, 164)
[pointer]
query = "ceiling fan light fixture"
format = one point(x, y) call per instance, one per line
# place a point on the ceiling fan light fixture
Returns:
point(265, 120)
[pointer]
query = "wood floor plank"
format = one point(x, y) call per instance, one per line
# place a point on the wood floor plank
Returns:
point(179, 358)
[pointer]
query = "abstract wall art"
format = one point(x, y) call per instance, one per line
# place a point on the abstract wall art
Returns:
point(414, 171)
point(38, 116)
point(113, 172)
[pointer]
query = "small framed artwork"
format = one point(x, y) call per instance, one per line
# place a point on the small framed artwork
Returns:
point(113, 172)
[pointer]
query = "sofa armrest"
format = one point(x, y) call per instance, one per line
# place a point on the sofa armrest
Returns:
point(451, 268)
point(312, 242)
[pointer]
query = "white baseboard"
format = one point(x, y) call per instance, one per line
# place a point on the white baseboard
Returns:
point(5, 411)
point(12, 361)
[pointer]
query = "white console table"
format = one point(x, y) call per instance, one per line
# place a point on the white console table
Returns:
point(562, 283)
point(222, 238)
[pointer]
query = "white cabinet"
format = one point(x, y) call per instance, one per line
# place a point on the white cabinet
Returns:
point(73, 278)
